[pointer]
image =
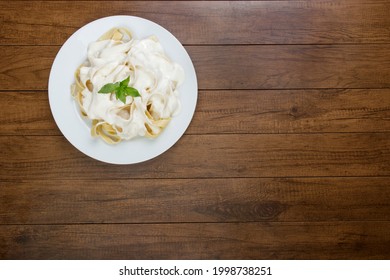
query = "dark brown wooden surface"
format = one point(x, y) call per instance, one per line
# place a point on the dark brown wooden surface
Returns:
point(287, 156)
point(227, 67)
point(221, 22)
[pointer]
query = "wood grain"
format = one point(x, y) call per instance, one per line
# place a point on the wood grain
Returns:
point(236, 111)
point(211, 22)
point(328, 240)
point(292, 111)
point(292, 66)
point(195, 200)
point(266, 67)
point(207, 156)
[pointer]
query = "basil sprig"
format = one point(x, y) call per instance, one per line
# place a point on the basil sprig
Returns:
point(121, 90)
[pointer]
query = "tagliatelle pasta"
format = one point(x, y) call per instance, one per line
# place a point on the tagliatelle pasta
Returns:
point(114, 57)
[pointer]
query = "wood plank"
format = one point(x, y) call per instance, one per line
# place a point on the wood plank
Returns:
point(256, 22)
point(195, 200)
point(237, 111)
point(30, 67)
point(329, 240)
point(33, 119)
point(267, 67)
point(207, 156)
point(292, 111)
point(292, 66)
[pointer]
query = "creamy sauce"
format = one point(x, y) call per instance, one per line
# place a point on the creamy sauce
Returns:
point(154, 75)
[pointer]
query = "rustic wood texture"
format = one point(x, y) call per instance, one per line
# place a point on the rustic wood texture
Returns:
point(287, 156)
point(274, 67)
point(238, 111)
point(256, 22)
point(200, 156)
point(335, 240)
point(195, 200)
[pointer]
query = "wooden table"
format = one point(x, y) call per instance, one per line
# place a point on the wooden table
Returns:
point(287, 156)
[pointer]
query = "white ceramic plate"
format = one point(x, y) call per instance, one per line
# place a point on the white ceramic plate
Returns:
point(77, 130)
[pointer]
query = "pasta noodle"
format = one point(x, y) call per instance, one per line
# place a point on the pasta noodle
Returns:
point(114, 57)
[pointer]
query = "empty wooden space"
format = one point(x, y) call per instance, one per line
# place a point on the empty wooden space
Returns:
point(214, 22)
point(287, 155)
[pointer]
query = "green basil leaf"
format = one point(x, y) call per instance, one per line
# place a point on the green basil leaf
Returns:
point(125, 82)
point(121, 96)
point(132, 92)
point(121, 90)
point(108, 88)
